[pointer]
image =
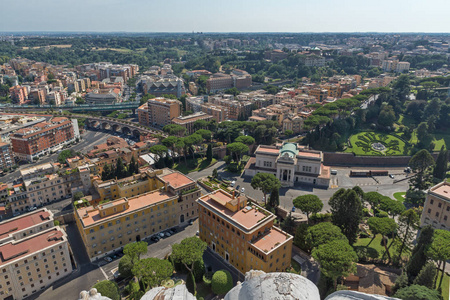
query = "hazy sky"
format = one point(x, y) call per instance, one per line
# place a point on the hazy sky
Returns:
point(226, 15)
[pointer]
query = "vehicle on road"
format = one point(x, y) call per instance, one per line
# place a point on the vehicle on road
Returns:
point(242, 190)
point(197, 233)
point(333, 172)
point(391, 176)
point(191, 222)
point(32, 208)
point(233, 183)
point(167, 234)
point(173, 230)
point(161, 235)
point(108, 259)
point(293, 209)
point(155, 238)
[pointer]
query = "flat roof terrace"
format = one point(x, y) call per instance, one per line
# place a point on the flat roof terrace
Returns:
point(23, 222)
point(270, 240)
point(18, 249)
point(91, 216)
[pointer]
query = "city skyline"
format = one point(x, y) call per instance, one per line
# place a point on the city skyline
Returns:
point(233, 16)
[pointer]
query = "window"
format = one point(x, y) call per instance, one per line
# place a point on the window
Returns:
point(431, 201)
point(440, 204)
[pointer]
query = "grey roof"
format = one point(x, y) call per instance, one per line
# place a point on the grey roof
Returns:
point(353, 295)
point(178, 292)
point(92, 295)
point(259, 285)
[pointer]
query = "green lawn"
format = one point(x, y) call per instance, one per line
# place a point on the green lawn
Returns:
point(399, 196)
point(375, 246)
point(445, 284)
point(361, 144)
point(193, 165)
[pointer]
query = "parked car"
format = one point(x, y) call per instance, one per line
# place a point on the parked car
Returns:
point(191, 222)
point(233, 183)
point(197, 233)
point(167, 234)
point(293, 208)
point(391, 176)
point(161, 235)
point(108, 259)
point(32, 208)
point(173, 230)
point(155, 238)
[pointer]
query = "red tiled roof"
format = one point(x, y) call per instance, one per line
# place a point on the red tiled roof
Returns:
point(20, 223)
point(177, 180)
point(14, 250)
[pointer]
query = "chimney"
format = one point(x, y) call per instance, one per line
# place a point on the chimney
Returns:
point(239, 202)
point(233, 194)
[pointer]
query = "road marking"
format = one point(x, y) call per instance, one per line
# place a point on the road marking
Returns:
point(104, 274)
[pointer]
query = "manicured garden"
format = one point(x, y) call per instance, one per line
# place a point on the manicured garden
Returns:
point(375, 247)
point(400, 196)
point(445, 285)
point(366, 143)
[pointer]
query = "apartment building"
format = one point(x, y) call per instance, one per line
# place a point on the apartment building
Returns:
point(218, 112)
point(189, 121)
point(42, 138)
point(6, 156)
point(236, 109)
point(162, 110)
point(142, 113)
point(319, 93)
point(402, 67)
point(242, 233)
point(165, 199)
point(436, 210)
point(292, 122)
point(219, 81)
point(34, 254)
point(19, 94)
point(291, 164)
point(194, 104)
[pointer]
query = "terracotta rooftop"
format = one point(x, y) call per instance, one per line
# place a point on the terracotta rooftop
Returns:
point(442, 189)
point(247, 217)
point(20, 223)
point(135, 203)
point(268, 150)
point(177, 180)
point(270, 240)
point(308, 154)
point(15, 250)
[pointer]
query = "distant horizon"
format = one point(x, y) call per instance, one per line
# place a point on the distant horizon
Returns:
point(228, 32)
point(232, 16)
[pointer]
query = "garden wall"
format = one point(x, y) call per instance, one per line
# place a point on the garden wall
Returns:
point(349, 159)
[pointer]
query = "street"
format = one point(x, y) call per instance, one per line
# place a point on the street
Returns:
point(89, 273)
point(88, 140)
point(384, 186)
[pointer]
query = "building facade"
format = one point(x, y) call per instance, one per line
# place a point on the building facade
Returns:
point(42, 138)
point(6, 156)
point(108, 227)
point(34, 254)
point(189, 121)
point(291, 164)
point(242, 233)
point(162, 110)
point(436, 210)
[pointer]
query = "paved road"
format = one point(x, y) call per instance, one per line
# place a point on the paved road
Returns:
point(385, 185)
point(88, 140)
point(89, 273)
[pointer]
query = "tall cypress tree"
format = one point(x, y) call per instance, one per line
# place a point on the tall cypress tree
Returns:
point(274, 199)
point(441, 164)
point(418, 256)
point(209, 153)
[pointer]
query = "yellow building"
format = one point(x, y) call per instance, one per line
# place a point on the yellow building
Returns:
point(436, 210)
point(243, 234)
point(140, 206)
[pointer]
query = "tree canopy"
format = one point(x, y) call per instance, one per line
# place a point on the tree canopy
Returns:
point(337, 258)
point(188, 251)
point(346, 209)
point(135, 250)
point(323, 233)
point(265, 182)
point(417, 292)
point(108, 289)
point(151, 271)
point(308, 204)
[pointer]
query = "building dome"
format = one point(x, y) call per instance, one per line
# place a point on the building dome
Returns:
point(259, 285)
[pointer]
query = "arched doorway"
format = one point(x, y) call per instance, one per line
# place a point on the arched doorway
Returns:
point(138, 238)
point(181, 218)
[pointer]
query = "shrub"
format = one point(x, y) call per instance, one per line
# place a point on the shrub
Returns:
point(108, 289)
point(199, 270)
point(207, 278)
point(382, 214)
point(221, 282)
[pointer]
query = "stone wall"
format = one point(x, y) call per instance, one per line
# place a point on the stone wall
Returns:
point(349, 159)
